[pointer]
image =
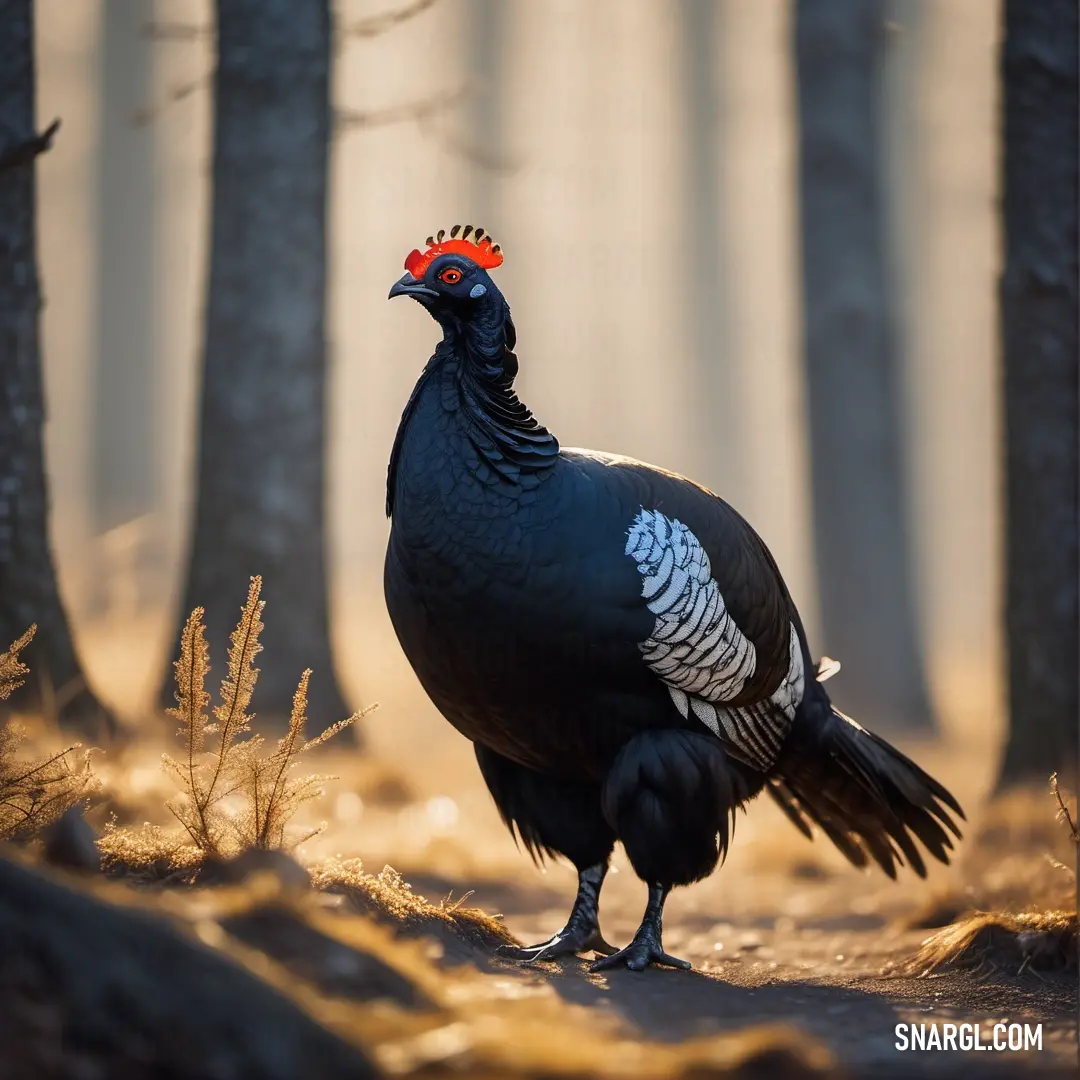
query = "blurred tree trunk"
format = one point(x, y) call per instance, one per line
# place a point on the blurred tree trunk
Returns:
point(260, 503)
point(124, 476)
point(1039, 296)
point(487, 31)
point(28, 589)
point(721, 422)
point(867, 592)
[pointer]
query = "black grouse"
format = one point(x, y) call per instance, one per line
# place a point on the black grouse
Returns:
point(616, 640)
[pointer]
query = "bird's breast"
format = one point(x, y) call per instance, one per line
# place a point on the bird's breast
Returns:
point(517, 607)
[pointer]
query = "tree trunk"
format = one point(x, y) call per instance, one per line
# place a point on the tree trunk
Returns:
point(867, 593)
point(1039, 298)
point(28, 589)
point(487, 31)
point(720, 421)
point(124, 476)
point(260, 499)
point(125, 479)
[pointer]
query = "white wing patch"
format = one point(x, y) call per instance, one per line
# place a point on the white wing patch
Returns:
point(695, 645)
point(759, 730)
point(790, 692)
point(696, 648)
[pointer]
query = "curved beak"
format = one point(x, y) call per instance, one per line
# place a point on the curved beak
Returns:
point(407, 285)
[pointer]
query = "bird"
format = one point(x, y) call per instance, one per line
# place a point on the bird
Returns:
point(617, 641)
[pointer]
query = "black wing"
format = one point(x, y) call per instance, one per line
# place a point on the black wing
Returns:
point(722, 637)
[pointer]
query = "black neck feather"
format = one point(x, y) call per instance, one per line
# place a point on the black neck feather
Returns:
point(475, 366)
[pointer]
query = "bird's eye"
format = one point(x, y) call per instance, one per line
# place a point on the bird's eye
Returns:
point(450, 276)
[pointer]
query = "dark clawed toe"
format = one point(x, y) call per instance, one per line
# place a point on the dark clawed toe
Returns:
point(546, 950)
point(637, 956)
point(564, 943)
point(667, 960)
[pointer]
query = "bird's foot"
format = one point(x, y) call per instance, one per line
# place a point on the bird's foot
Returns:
point(647, 947)
point(582, 930)
point(637, 956)
point(569, 941)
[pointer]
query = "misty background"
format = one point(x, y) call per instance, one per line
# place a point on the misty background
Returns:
point(653, 321)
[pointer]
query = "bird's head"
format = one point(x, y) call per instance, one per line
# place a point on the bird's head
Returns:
point(450, 278)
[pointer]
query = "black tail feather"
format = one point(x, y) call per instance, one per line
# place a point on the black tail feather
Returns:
point(867, 797)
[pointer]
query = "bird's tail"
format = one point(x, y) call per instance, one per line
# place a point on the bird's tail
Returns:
point(867, 797)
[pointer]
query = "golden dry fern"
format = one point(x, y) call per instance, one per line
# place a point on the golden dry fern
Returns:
point(236, 795)
point(35, 792)
point(13, 671)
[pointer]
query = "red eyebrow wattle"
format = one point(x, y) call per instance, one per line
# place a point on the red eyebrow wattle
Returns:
point(483, 252)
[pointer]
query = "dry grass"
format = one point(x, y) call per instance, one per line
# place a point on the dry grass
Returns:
point(1064, 817)
point(13, 671)
point(237, 798)
point(1021, 860)
point(150, 855)
point(35, 791)
point(388, 897)
point(235, 794)
point(236, 767)
point(1039, 934)
point(1001, 943)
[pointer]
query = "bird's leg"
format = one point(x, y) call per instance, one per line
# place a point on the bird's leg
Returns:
point(582, 930)
point(646, 948)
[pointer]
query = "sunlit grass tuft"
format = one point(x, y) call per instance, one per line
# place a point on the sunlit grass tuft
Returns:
point(389, 898)
point(13, 671)
point(35, 791)
point(235, 794)
point(1002, 943)
point(1040, 938)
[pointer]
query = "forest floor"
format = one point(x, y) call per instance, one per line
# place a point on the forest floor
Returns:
point(802, 965)
point(788, 933)
point(785, 934)
point(831, 972)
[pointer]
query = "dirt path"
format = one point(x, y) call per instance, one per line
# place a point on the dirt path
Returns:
point(816, 945)
point(824, 975)
point(785, 931)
